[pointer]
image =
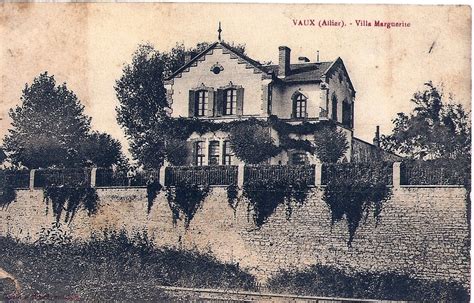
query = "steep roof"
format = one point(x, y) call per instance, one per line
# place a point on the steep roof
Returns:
point(302, 72)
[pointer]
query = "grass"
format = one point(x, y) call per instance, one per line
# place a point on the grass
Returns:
point(328, 281)
point(112, 267)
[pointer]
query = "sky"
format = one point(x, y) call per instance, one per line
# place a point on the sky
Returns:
point(87, 45)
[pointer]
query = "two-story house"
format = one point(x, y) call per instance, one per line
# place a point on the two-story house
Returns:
point(223, 84)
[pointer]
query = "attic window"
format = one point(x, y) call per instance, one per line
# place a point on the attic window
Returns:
point(217, 68)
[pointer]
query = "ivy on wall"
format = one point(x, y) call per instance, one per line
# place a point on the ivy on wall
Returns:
point(353, 194)
point(70, 200)
point(265, 195)
point(251, 149)
point(232, 197)
point(184, 199)
point(152, 189)
point(7, 195)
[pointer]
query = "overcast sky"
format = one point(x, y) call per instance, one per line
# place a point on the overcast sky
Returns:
point(86, 46)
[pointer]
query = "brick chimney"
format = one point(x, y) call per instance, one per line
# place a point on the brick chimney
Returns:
point(377, 136)
point(283, 61)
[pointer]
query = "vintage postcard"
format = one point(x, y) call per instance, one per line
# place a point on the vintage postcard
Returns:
point(235, 151)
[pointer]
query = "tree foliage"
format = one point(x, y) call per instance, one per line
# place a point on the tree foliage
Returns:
point(142, 97)
point(252, 142)
point(330, 144)
point(435, 128)
point(50, 129)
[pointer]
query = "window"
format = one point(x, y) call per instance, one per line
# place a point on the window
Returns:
point(299, 106)
point(346, 113)
point(270, 90)
point(230, 102)
point(228, 153)
point(199, 147)
point(202, 102)
point(214, 153)
point(298, 158)
point(334, 107)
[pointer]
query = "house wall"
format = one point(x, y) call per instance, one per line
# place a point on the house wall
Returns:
point(283, 103)
point(421, 230)
point(341, 89)
point(235, 70)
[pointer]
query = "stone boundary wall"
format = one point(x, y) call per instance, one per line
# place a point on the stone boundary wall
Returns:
point(421, 230)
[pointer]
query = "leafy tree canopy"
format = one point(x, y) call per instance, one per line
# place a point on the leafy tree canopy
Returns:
point(49, 129)
point(330, 144)
point(142, 98)
point(435, 128)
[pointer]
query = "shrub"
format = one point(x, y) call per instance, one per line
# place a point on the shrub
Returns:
point(320, 280)
point(112, 266)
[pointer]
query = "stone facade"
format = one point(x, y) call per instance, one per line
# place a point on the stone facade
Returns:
point(421, 230)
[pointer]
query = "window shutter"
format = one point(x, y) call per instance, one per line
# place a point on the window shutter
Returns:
point(192, 103)
point(210, 104)
point(219, 102)
point(240, 101)
point(191, 149)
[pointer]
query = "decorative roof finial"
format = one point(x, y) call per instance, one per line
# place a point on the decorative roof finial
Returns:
point(219, 31)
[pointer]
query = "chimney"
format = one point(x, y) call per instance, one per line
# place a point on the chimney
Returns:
point(303, 59)
point(317, 56)
point(377, 136)
point(283, 61)
point(187, 57)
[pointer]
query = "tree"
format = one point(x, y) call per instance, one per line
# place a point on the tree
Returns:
point(435, 129)
point(101, 150)
point(330, 144)
point(142, 98)
point(49, 129)
point(252, 142)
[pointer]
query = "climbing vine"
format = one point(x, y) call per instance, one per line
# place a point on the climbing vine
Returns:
point(7, 195)
point(184, 199)
point(232, 197)
point(152, 189)
point(354, 191)
point(265, 195)
point(70, 200)
point(251, 149)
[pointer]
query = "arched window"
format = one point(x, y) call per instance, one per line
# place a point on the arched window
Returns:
point(299, 106)
point(334, 107)
point(201, 102)
point(230, 102)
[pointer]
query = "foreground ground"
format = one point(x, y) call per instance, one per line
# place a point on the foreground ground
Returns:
point(116, 267)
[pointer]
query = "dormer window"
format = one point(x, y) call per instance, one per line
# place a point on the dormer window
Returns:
point(299, 106)
point(230, 102)
point(202, 103)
